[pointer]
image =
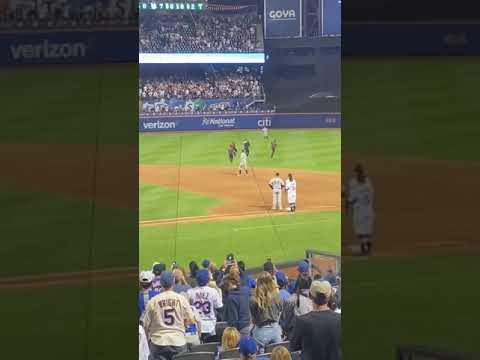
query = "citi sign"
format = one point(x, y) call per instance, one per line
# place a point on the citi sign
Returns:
point(265, 122)
point(282, 14)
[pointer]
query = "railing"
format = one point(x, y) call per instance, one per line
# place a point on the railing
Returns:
point(412, 352)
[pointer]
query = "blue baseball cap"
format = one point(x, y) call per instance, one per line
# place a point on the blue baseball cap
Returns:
point(247, 346)
point(303, 267)
point(158, 268)
point(252, 283)
point(202, 277)
point(167, 279)
point(281, 278)
point(206, 263)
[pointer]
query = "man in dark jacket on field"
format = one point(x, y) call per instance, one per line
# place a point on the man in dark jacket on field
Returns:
point(236, 307)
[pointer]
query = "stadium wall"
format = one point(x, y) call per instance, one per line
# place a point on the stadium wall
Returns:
point(94, 46)
point(238, 121)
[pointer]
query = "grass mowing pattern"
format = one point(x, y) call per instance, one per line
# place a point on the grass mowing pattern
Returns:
point(252, 240)
point(317, 150)
point(158, 202)
point(426, 108)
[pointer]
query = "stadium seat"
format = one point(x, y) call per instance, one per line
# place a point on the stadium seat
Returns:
point(195, 356)
point(229, 354)
point(296, 355)
point(209, 347)
point(269, 348)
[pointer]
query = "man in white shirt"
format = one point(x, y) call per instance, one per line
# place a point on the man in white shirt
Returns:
point(291, 190)
point(166, 316)
point(276, 184)
point(243, 163)
point(205, 300)
point(360, 198)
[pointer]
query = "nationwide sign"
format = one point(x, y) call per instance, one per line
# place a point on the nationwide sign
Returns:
point(283, 19)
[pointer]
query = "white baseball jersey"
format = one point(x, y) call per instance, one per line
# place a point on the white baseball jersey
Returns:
point(276, 184)
point(265, 131)
point(243, 159)
point(205, 300)
point(165, 317)
point(143, 349)
point(362, 195)
point(291, 187)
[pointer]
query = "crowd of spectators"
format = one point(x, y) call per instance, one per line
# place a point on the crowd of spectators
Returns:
point(232, 314)
point(210, 86)
point(188, 32)
point(236, 90)
point(64, 14)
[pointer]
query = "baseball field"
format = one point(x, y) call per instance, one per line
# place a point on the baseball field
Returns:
point(412, 122)
point(193, 204)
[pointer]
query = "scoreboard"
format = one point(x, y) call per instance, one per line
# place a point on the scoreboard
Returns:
point(190, 5)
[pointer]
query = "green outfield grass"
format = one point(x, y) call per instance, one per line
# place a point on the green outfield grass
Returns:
point(251, 240)
point(318, 150)
point(157, 202)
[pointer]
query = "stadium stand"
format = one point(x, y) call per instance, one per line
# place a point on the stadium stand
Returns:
point(219, 89)
point(201, 298)
point(61, 14)
point(217, 29)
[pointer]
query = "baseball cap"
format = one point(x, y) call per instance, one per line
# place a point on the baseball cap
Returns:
point(268, 266)
point(281, 278)
point(321, 287)
point(167, 279)
point(206, 263)
point(146, 276)
point(252, 283)
point(303, 267)
point(158, 268)
point(202, 277)
point(247, 346)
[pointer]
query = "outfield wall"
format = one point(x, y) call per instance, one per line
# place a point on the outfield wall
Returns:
point(238, 121)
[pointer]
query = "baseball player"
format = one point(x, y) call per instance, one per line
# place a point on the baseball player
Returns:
point(274, 148)
point(166, 316)
point(291, 190)
point(265, 132)
point(232, 151)
point(243, 163)
point(246, 147)
point(276, 184)
point(360, 198)
point(205, 300)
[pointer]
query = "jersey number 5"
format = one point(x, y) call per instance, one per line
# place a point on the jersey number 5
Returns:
point(168, 318)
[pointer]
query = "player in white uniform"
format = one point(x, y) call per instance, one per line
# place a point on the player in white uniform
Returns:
point(360, 198)
point(291, 190)
point(166, 316)
point(265, 132)
point(205, 300)
point(243, 163)
point(276, 184)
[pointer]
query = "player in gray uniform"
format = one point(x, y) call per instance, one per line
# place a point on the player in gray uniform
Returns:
point(276, 184)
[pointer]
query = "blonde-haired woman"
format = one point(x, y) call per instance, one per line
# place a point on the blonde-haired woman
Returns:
point(265, 309)
point(281, 353)
point(230, 339)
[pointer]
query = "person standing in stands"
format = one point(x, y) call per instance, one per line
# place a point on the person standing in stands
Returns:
point(205, 300)
point(265, 309)
point(318, 333)
point(157, 270)
point(298, 304)
point(282, 282)
point(236, 310)
point(166, 316)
